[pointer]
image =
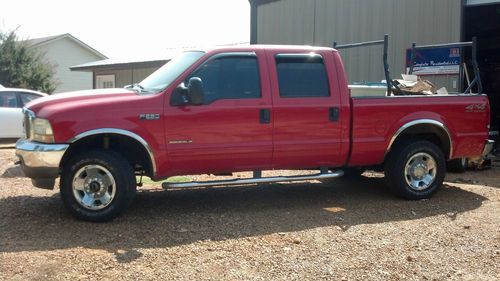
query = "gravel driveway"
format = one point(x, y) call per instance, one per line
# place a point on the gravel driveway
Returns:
point(334, 230)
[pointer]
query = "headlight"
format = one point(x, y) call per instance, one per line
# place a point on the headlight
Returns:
point(42, 131)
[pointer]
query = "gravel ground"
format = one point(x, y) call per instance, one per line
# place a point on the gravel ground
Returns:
point(334, 230)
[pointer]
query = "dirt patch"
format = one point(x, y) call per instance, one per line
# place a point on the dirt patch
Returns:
point(335, 230)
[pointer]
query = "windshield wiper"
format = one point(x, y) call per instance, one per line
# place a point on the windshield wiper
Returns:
point(137, 87)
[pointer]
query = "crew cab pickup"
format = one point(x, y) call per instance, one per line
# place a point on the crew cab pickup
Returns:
point(233, 109)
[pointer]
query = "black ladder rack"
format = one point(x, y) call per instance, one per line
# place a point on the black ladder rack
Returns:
point(385, 43)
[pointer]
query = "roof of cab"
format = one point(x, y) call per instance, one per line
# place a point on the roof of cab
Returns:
point(268, 47)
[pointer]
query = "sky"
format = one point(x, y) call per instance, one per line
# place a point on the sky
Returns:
point(132, 28)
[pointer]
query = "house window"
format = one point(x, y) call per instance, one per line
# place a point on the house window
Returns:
point(105, 81)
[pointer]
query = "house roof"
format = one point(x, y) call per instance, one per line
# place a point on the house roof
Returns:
point(119, 64)
point(36, 42)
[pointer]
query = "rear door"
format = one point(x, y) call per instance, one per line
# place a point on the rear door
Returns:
point(306, 110)
point(231, 131)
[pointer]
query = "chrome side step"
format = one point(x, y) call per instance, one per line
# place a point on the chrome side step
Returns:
point(323, 175)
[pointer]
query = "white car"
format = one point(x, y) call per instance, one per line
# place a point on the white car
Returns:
point(12, 101)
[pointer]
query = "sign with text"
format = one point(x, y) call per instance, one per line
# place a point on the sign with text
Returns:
point(435, 61)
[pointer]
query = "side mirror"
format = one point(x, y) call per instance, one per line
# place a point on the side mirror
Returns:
point(195, 91)
point(179, 96)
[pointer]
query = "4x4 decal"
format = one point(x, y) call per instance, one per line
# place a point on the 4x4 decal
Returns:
point(476, 107)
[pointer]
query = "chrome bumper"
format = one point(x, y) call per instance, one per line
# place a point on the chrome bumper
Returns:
point(488, 147)
point(40, 161)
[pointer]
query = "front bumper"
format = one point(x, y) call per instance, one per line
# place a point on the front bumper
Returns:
point(40, 161)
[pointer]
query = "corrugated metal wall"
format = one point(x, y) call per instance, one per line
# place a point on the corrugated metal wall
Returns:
point(320, 22)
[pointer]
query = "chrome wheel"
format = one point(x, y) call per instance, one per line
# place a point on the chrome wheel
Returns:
point(420, 171)
point(94, 187)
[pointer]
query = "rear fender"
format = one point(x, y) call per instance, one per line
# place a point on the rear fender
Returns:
point(425, 126)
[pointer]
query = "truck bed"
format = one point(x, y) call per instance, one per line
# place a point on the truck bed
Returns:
point(375, 121)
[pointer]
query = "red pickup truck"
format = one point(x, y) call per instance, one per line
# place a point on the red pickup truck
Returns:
point(236, 109)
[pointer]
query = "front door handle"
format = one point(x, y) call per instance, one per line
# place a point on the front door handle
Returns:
point(333, 114)
point(265, 116)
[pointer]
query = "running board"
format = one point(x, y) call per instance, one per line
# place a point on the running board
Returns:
point(325, 175)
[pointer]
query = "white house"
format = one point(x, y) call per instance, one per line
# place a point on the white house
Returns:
point(64, 51)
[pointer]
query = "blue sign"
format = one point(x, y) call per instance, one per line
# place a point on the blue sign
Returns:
point(435, 61)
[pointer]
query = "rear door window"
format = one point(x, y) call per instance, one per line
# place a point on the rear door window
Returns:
point(301, 75)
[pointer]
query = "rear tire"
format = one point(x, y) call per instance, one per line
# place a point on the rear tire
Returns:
point(97, 185)
point(415, 170)
point(459, 165)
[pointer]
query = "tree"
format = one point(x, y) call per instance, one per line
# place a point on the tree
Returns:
point(24, 67)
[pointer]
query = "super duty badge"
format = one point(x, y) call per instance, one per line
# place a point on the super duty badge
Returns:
point(149, 116)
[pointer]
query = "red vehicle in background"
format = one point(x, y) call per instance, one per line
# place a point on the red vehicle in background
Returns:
point(236, 109)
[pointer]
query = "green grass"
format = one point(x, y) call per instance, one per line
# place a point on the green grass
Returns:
point(148, 181)
point(179, 179)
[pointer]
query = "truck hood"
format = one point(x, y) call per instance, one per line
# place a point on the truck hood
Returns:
point(73, 113)
point(79, 98)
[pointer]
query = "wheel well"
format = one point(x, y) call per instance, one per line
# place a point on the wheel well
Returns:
point(430, 132)
point(131, 149)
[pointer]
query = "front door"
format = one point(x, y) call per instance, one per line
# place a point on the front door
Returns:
point(229, 131)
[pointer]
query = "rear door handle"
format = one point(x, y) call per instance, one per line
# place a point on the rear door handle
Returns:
point(265, 116)
point(333, 114)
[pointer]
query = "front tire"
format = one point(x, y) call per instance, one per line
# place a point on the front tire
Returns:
point(415, 170)
point(97, 185)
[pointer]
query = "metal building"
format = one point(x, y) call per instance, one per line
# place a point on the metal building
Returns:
point(112, 73)
point(321, 22)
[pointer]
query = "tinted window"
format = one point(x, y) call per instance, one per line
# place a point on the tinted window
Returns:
point(8, 100)
point(301, 76)
point(25, 98)
point(235, 77)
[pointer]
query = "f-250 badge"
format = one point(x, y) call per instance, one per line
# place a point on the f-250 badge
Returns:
point(478, 107)
point(149, 116)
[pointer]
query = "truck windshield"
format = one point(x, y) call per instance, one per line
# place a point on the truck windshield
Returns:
point(162, 78)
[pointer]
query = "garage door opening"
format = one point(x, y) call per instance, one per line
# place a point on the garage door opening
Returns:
point(483, 22)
